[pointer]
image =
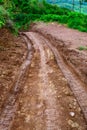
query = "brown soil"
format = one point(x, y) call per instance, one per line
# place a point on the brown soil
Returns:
point(46, 101)
point(12, 54)
point(67, 41)
point(54, 95)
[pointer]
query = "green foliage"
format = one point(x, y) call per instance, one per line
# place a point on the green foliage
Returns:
point(33, 10)
point(77, 21)
point(72, 19)
point(23, 12)
point(2, 16)
point(82, 48)
point(1, 2)
point(4, 13)
point(54, 17)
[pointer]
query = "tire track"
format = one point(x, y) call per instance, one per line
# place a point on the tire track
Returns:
point(51, 117)
point(8, 113)
point(47, 93)
point(75, 84)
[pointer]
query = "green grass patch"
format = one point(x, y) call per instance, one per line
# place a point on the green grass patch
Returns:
point(81, 48)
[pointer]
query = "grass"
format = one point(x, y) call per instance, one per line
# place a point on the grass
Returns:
point(81, 48)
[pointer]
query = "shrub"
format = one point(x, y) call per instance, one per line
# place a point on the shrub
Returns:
point(23, 12)
point(2, 16)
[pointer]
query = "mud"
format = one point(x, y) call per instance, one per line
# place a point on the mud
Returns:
point(10, 105)
point(49, 92)
point(67, 41)
point(46, 100)
point(12, 54)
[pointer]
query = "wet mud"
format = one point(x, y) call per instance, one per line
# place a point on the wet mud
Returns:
point(46, 101)
point(49, 93)
point(67, 41)
point(10, 105)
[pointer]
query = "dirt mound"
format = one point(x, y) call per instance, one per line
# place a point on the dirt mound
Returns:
point(12, 54)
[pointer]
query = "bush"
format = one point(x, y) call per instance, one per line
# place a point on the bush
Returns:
point(2, 16)
point(24, 12)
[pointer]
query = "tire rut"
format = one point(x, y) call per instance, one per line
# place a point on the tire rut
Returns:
point(46, 93)
point(44, 103)
point(7, 114)
point(76, 85)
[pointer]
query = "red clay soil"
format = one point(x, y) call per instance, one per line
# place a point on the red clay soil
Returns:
point(67, 41)
point(70, 37)
point(12, 54)
point(46, 101)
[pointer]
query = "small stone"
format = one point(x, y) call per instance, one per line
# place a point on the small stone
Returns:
point(30, 75)
point(74, 103)
point(70, 122)
point(59, 96)
point(27, 119)
point(18, 112)
point(73, 124)
point(67, 93)
point(70, 106)
point(64, 79)
point(74, 107)
point(74, 100)
point(32, 65)
point(72, 114)
point(39, 105)
point(2, 75)
point(79, 109)
point(25, 89)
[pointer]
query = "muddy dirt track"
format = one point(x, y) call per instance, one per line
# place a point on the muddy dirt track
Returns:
point(49, 92)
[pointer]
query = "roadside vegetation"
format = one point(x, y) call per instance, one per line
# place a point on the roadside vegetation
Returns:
point(81, 48)
point(18, 15)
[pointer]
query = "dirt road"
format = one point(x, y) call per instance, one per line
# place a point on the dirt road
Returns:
point(52, 98)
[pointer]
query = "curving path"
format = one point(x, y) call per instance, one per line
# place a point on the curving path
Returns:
point(46, 101)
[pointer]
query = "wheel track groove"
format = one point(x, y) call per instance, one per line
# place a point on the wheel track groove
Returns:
point(7, 114)
point(76, 85)
point(52, 115)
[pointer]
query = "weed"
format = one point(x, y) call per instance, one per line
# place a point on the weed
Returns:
point(82, 48)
